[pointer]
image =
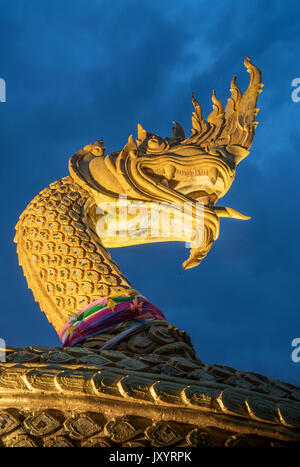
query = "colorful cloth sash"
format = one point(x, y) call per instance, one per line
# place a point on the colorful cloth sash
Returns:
point(108, 313)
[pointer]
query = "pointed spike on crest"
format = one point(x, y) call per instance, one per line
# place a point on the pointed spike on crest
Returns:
point(178, 131)
point(234, 99)
point(131, 147)
point(255, 74)
point(217, 102)
point(217, 111)
point(247, 60)
point(197, 107)
point(214, 98)
point(142, 133)
point(131, 143)
point(233, 86)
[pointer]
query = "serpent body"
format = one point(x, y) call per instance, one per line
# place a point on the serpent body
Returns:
point(63, 260)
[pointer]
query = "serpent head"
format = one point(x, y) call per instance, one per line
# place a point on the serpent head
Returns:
point(185, 177)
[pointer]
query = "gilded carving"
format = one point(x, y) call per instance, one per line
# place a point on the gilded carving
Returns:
point(199, 438)
point(82, 426)
point(41, 424)
point(120, 430)
point(9, 420)
point(136, 382)
point(162, 434)
point(66, 263)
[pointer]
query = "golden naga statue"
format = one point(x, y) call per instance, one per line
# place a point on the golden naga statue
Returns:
point(67, 265)
point(125, 376)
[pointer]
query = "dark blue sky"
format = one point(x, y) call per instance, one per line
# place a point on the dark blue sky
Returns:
point(77, 70)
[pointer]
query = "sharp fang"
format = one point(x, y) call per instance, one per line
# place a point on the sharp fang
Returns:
point(165, 182)
point(213, 175)
point(230, 212)
point(169, 171)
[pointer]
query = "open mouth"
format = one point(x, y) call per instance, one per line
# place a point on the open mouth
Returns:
point(203, 184)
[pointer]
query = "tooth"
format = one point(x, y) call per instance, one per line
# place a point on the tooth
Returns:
point(165, 182)
point(213, 175)
point(169, 171)
point(230, 212)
